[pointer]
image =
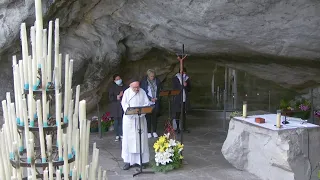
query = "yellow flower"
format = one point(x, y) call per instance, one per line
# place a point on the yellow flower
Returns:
point(181, 157)
point(180, 146)
point(162, 149)
point(156, 146)
point(162, 139)
point(166, 145)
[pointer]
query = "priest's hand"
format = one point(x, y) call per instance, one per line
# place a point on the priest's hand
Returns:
point(185, 83)
point(118, 97)
point(154, 99)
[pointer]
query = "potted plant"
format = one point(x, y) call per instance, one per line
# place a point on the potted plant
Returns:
point(235, 114)
point(296, 108)
point(94, 126)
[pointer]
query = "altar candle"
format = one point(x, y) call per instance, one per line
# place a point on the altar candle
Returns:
point(4, 154)
point(49, 75)
point(25, 54)
point(45, 174)
point(278, 118)
point(66, 89)
point(41, 133)
point(49, 148)
point(99, 173)
point(65, 157)
point(244, 109)
point(18, 169)
point(83, 145)
point(104, 177)
point(74, 174)
point(31, 115)
point(58, 174)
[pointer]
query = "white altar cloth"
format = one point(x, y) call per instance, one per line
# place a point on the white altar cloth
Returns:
point(270, 121)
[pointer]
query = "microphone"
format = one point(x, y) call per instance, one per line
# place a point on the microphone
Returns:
point(131, 98)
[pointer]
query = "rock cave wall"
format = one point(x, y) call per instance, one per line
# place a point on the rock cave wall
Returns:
point(102, 35)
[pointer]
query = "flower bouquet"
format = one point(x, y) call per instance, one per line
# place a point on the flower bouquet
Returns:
point(106, 122)
point(167, 154)
point(298, 108)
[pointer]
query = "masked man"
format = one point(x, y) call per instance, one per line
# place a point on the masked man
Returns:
point(134, 97)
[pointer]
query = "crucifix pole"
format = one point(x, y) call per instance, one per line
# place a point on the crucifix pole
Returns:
point(181, 58)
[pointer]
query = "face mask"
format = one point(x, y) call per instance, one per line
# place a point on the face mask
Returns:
point(118, 82)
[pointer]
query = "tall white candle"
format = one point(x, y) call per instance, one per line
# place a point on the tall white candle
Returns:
point(44, 45)
point(21, 75)
point(58, 174)
point(58, 123)
point(87, 141)
point(3, 160)
point(74, 174)
point(31, 114)
point(104, 177)
point(59, 68)
point(76, 150)
point(34, 54)
point(16, 137)
point(16, 153)
point(86, 172)
point(49, 148)
point(16, 80)
point(39, 29)
point(49, 71)
point(77, 100)
point(99, 173)
point(26, 124)
point(4, 154)
point(25, 54)
point(41, 133)
point(45, 174)
point(32, 159)
point(65, 157)
point(66, 89)
point(70, 128)
point(56, 44)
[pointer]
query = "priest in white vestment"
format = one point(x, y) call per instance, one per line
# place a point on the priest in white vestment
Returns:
point(134, 96)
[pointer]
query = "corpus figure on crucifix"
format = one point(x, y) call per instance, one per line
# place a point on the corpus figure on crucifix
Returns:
point(181, 102)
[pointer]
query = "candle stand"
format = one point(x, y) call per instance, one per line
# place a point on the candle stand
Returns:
point(39, 142)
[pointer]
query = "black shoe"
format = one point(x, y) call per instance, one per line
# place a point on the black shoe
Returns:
point(126, 166)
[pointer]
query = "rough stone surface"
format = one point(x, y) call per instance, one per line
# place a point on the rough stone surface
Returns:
point(273, 155)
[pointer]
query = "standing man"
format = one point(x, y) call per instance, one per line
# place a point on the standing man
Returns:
point(152, 85)
point(115, 95)
point(134, 97)
point(176, 108)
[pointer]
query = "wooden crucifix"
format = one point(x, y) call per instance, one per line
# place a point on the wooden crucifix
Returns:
point(181, 57)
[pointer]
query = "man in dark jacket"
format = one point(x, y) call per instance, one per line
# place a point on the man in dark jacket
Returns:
point(152, 85)
point(115, 96)
point(176, 107)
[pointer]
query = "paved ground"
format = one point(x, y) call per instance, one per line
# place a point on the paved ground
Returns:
point(202, 154)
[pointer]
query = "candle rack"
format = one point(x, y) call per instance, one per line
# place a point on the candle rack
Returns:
point(40, 139)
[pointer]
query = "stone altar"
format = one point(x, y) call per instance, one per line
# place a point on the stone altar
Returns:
point(289, 153)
